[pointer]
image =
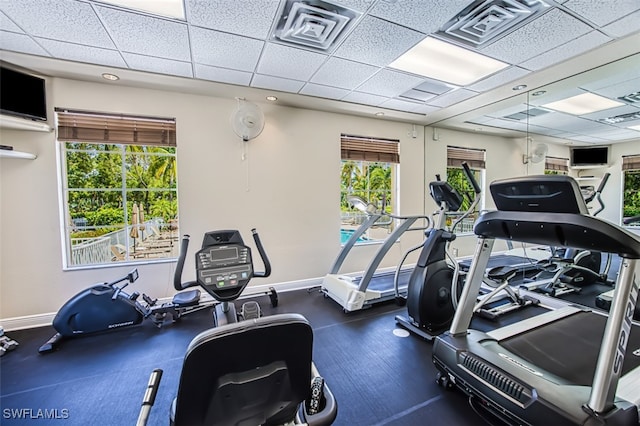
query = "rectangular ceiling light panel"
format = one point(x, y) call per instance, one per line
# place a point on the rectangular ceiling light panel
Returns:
point(585, 103)
point(485, 21)
point(313, 23)
point(622, 118)
point(170, 8)
point(446, 62)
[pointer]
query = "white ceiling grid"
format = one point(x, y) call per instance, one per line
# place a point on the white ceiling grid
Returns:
point(231, 41)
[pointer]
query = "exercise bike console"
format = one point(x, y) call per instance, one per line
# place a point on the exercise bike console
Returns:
point(224, 267)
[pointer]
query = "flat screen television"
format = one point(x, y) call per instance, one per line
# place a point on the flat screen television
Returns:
point(22, 95)
point(589, 156)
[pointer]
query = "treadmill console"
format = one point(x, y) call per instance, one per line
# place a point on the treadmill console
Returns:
point(222, 267)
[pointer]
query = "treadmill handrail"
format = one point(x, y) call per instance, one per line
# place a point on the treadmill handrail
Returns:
point(559, 229)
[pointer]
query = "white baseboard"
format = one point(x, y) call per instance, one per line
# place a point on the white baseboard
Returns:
point(43, 320)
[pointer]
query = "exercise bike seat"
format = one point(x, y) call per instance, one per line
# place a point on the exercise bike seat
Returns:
point(187, 298)
point(253, 372)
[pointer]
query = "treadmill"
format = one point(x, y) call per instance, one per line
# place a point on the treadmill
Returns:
point(356, 293)
point(566, 366)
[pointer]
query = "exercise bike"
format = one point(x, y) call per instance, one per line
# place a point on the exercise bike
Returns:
point(106, 306)
point(224, 266)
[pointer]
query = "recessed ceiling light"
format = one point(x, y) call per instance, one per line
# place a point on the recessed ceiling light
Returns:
point(379, 114)
point(111, 77)
point(169, 8)
point(519, 87)
point(272, 98)
point(583, 104)
point(634, 127)
point(446, 62)
point(539, 93)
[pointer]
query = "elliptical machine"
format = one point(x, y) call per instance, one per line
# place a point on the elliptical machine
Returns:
point(106, 306)
point(429, 301)
point(224, 267)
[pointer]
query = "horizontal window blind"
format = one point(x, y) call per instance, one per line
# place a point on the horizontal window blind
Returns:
point(631, 162)
point(359, 148)
point(557, 164)
point(475, 158)
point(93, 127)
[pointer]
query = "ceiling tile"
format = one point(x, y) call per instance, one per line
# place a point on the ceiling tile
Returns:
point(276, 83)
point(323, 91)
point(221, 50)
point(377, 42)
point(21, 43)
point(590, 139)
point(342, 73)
point(575, 47)
point(549, 30)
point(400, 105)
point(389, 83)
point(602, 12)
point(158, 65)
point(624, 26)
point(424, 16)
point(222, 75)
point(147, 35)
point(7, 24)
point(244, 17)
point(425, 109)
point(287, 62)
point(81, 53)
point(452, 97)
point(74, 21)
point(498, 79)
point(358, 5)
point(364, 98)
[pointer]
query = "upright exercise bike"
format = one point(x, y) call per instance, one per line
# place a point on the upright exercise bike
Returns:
point(224, 266)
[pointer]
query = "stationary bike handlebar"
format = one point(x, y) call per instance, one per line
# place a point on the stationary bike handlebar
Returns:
point(177, 276)
point(471, 178)
point(263, 256)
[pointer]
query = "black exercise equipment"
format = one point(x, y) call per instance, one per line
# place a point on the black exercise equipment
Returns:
point(564, 366)
point(429, 300)
point(106, 306)
point(224, 267)
point(255, 372)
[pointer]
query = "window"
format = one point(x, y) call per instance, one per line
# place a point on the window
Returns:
point(556, 166)
point(475, 159)
point(119, 183)
point(631, 198)
point(369, 171)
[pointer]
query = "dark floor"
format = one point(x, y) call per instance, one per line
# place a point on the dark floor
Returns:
point(377, 377)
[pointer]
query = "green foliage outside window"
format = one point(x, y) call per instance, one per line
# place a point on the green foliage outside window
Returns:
point(370, 181)
point(631, 193)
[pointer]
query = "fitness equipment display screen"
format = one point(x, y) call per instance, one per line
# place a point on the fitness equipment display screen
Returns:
point(224, 266)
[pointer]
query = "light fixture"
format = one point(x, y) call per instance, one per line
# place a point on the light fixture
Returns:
point(272, 98)
point(110, 77)
point(519, 87)
point(169, 8)
point(634, 127)
point(446, 62)
point(379, 114)
point(539, 93)
point(585, 103)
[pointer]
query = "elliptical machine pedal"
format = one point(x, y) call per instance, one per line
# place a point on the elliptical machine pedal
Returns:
point(250, 310)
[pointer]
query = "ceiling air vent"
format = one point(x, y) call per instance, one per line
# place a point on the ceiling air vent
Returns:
point(485, 21)
point(530, 113)
point(632, 98)
point(313, 23)
point(622, 118)
point(427, 90)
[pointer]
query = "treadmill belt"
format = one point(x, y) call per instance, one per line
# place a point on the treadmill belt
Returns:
point(569, 348)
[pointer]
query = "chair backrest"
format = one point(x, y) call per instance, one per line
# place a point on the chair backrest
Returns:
point(247, 373)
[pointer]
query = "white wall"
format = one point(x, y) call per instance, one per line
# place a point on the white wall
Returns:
point(287, 189)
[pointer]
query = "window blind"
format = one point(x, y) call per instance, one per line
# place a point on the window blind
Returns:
point(556, 164)
point(631, 162)
point(475, 158)
point(360, 148)
point(94, 127)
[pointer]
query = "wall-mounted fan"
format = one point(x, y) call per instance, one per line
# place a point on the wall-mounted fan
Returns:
point(247, 120)
point(538, 153)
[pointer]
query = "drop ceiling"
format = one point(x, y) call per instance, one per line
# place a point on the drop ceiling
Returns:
point(336, 55)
